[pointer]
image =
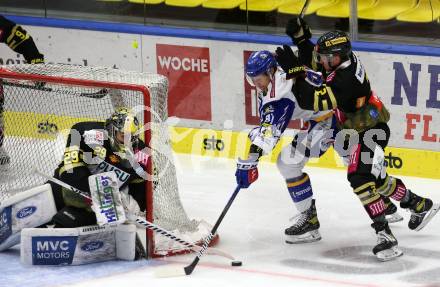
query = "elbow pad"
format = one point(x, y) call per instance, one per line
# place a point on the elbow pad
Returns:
point(21, 42)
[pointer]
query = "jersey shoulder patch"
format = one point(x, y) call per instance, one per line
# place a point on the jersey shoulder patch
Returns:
point(94, 137)
point(92, 133)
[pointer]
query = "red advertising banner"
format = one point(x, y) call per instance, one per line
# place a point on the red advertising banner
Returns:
point(188, 71)
point(251, 102)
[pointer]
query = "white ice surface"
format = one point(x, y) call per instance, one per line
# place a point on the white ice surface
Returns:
point(253, 231)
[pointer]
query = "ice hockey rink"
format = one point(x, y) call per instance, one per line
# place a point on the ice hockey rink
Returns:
point(253, 232)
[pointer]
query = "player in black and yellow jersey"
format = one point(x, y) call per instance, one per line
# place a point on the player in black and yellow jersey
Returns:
point(96, 147)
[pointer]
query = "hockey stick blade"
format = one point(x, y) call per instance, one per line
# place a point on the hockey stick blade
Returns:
point(169, 271)
point(96, 95)
point(304, 9)
point(141, 221)
point(213, 251)
point(188, 270)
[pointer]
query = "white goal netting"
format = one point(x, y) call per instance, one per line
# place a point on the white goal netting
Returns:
point(42, 102)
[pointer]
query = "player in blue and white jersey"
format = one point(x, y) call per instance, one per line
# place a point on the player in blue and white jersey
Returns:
point(277, 106)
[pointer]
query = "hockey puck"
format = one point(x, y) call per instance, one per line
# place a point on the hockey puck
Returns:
point(236, 263)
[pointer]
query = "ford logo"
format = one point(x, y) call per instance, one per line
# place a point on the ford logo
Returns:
point(26, 211)
point(92, 246)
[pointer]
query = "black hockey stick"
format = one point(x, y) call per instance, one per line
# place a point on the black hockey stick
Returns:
point(141, 221)
point(304, 9)
point(190, 268)
point(40, 87)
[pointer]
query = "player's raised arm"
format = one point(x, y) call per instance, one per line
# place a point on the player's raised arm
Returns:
point(310, 89)
point(299, 31)
point(20, 41)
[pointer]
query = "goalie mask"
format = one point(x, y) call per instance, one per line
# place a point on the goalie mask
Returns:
point(122, 128)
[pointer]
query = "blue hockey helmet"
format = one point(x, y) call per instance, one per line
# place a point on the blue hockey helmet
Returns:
point(260, 62)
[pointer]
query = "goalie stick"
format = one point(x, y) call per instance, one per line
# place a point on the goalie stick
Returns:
point(143, 222)
point(95, 95)
point(178, 271)
point(115, 95)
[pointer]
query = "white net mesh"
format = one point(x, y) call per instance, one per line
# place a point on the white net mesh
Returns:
point(38, 116)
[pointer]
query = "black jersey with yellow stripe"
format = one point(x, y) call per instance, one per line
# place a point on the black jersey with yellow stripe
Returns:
point(346, 88)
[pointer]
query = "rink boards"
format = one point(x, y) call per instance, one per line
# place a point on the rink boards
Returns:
point(230, 144)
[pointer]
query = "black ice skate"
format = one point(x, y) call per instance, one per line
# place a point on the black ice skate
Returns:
point(305, 228)
point(422, 211)
point(391, 214)
point(386, 248)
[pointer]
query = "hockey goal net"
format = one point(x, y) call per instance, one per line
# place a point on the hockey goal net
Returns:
point(42, 102)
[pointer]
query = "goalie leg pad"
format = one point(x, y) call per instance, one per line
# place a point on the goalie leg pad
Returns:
point(77, 246)
point(30, 208)
point(126, 248)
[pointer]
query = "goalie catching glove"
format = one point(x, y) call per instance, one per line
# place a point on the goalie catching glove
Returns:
point(247, 171)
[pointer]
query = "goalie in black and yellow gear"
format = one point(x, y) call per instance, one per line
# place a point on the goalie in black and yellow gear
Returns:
point(97, 147)
point(106, 161)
